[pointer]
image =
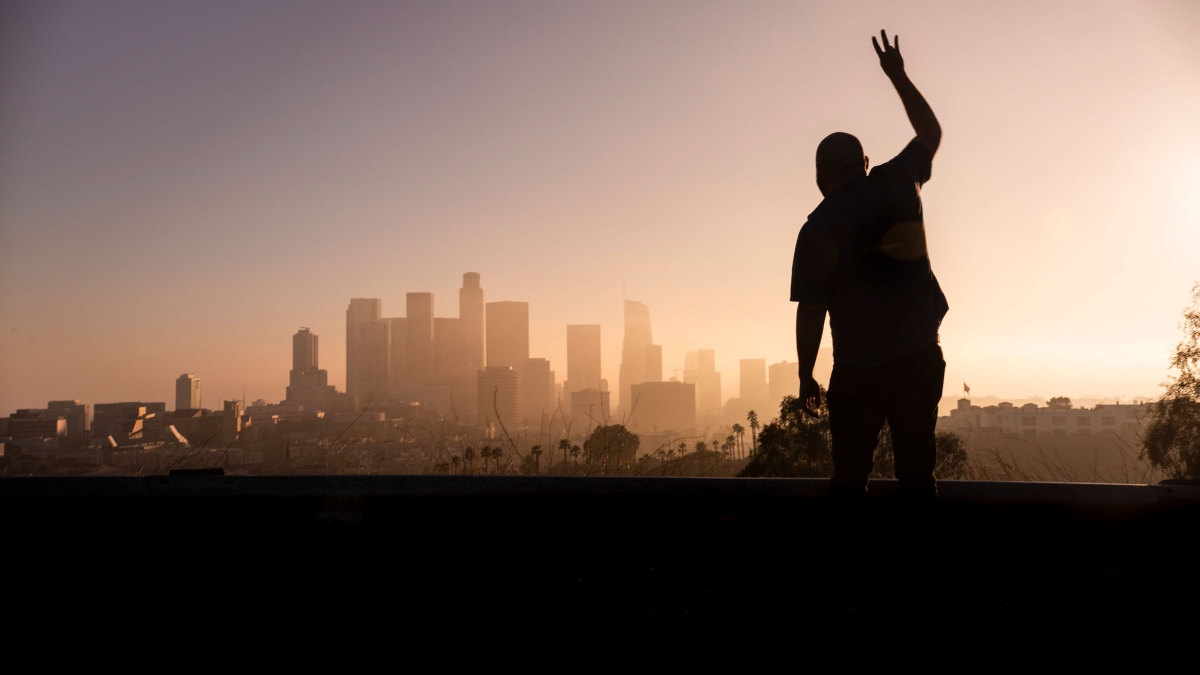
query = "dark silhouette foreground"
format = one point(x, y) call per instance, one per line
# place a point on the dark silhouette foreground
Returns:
point(400, 553)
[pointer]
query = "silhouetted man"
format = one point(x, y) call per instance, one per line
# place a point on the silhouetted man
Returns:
point(862, 257)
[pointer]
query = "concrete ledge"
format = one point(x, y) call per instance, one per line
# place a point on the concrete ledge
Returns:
point(1106, 495)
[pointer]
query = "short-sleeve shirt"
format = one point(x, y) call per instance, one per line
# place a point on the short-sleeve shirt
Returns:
point(862, 253)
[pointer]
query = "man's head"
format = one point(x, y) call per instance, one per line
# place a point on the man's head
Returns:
point(840, 159)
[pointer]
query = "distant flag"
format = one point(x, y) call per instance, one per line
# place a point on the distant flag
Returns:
point(966, 388)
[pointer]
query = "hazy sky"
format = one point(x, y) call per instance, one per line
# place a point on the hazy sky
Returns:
point(182, 185)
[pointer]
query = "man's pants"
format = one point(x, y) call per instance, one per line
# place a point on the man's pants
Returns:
point(904, 392)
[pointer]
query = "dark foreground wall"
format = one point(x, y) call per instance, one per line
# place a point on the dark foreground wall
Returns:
point(733, 549)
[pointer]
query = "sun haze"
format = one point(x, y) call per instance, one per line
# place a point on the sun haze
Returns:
point(183, 185)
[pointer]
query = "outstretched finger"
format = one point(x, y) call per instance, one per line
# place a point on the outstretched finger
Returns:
point(896, 43)
point(883, 34)
point(876, 43)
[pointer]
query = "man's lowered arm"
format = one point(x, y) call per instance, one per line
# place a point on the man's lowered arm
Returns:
point(810, 323)
point(920, 115)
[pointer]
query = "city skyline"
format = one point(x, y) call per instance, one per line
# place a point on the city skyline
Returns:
point(695, 365)
point(565, 153)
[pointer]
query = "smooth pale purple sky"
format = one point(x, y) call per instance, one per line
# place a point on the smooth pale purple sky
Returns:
point(182, 185)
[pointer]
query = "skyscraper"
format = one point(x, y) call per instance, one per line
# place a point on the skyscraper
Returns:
point(752, 386)
point(308, 385)
point(699, 368)
point(418, 325)
point(785, 381)
point(362, 311)
point(653, 363)
point(633, 350)
point(583, 358)
point(500, 397)
point(304, 351)
point(187, 391)
point(375, 358)
point(399, 356)
point(507, 334)
point(470, 313)
point(537, 390)
point(452, 362)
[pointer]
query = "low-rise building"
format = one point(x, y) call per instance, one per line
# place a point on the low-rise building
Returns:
point(1032, 421)
point(36, 423)
point(662, 406)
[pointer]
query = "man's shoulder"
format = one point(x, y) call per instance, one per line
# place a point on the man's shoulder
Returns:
point(846, 207)
point(820, 226)
point(913, 164)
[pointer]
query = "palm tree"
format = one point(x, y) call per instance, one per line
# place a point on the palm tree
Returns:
point(564, 445)
point(486, 454)
point(536, 451)
point(753, 419)
point(469, 456)
point(740, 432)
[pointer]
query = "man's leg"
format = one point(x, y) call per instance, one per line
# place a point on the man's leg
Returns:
point(915, 384)
point(856, 414)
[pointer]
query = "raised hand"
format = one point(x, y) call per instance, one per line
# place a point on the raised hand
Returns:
point(920, 114)
point(889, 57)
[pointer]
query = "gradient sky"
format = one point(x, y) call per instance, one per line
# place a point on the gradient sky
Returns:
point(184, 184)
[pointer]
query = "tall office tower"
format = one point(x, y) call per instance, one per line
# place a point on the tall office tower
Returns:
point(699, 368)
point(785, 381)
point(500, 397)
point(537, 391)
point(77, 415)
point(362, 311)
point(507, 334)
point(633, 350)
point(470, 311)
point(653, 363)
point(304, 350)
point(752, 387)
point(452, 362)
point(308, 385)
point(583, 359)
point(418, 327)
point(187, 392)
point(375, 358)
point(396, 376)
point(690, 368)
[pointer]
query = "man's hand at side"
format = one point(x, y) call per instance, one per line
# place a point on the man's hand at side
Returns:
point(810, 323)
point(810, 396)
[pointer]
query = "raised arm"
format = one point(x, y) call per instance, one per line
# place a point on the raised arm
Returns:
point(920, 115)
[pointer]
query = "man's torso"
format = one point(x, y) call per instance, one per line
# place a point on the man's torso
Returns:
point(863, 254)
